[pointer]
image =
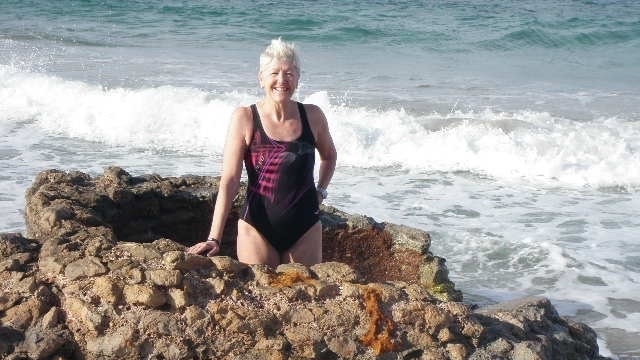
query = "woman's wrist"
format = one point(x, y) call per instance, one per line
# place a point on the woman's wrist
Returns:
point(322, 192)
point(212, 239)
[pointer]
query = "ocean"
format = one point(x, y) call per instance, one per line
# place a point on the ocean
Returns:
point(509, 130)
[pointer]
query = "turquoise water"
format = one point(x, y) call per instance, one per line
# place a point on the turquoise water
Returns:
point(510, 130)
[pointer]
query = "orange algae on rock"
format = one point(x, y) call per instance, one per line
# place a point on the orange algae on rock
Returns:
point(289, 278)
point(379, 335)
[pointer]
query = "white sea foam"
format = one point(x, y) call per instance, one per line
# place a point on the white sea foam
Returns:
point(526, 145)
point(183, 119)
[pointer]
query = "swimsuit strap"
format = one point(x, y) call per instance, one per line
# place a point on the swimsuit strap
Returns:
point(257, 124)
point(307, 133)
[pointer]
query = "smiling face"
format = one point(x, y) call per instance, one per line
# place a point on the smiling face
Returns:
point(279, 79)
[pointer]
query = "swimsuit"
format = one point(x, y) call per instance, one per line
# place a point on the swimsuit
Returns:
point(282, 203)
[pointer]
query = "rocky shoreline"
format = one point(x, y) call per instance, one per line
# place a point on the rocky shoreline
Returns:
point(102, 274)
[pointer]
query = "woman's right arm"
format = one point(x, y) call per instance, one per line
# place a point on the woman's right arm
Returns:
point(238, 136)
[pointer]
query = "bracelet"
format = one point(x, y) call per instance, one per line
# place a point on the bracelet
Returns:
point(214, 240)
point(322, 192)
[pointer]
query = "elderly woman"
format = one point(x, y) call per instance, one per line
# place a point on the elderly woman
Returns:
point(277, 138)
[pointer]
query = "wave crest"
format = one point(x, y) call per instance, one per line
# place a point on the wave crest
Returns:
point(529, 145)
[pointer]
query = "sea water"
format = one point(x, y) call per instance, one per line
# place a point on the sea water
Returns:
point(509, 130)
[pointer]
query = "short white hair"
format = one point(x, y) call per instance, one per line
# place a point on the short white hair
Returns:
point(279, 50)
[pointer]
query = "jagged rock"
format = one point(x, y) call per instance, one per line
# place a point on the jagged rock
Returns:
point(85, 315)
point(24, 314)
point(107, 290)
point(86, 267)
point(144, 295)
point(9, 338)
point(104, 275)
point(170, 278)
point(113, 345)
point(228, 265)
point(526, 320)
point(335, 271)
point(177, 298)
point(13, 243)
point(42, 341)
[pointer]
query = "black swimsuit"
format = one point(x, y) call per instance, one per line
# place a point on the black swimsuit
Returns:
point(282, 203)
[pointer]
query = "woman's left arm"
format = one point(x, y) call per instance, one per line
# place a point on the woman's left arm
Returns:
point(324, 144)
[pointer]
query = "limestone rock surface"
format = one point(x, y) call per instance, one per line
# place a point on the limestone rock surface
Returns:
point(101, 274)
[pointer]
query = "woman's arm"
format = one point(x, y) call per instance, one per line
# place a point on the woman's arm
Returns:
point(238, 136)
point(324, 144)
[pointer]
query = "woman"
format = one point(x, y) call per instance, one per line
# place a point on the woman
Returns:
point(276, 138)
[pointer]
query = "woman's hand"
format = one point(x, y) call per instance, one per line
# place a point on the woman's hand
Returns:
point(208, 248)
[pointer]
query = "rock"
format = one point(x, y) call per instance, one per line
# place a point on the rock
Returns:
point(173, 259)
point(41, 341)
point(335, 272)
point(277, 344)
point(8, 300)
point(194, 314)
point(165, 348)
point(26, 285)
point(457, 351)
point(135, 276)
point(144, 295)
point(141, 251)
point(107, 290)
point(113, 345)
point(85, 267)
point(301, 270)
point(219, 285)
point(104, 275)
point(435, 276)
point(52, 317)
point(171, 278)
point(177, 298)
point(21, 316)
point(158, 323)
point(343, 346)
point(409, 238)
point(16, 262)
point(530, 350)
point(13, 243)
point(9, 338)
point(53, 216)
point(115, 176)
point(165, 245)
point(50, 266)
point(85, 314)
point(534, 317)
point(195, 262)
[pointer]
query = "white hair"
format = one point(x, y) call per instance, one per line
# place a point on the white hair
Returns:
point(279, 50)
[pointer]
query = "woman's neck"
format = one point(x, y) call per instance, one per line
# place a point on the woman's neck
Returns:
point(279, 111)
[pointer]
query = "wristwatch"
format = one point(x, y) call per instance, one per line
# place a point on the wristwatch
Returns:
point(322, 192)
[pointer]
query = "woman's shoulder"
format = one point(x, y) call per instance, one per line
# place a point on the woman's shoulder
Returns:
point(314, 113)
point(310, 107)
point(243, 115)
point(241, 123)
point(242, 111)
